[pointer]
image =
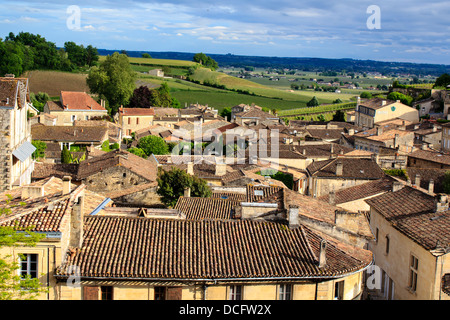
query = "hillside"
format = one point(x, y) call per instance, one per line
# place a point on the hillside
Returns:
point(304, 63)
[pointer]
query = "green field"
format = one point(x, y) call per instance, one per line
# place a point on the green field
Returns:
point(265, 94)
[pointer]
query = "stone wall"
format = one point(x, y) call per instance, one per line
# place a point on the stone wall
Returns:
point(5, 150)
point(113, 179)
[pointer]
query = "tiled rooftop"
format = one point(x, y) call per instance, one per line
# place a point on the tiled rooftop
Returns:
point(79, 101)
point(412, 212)
point(206, 208)
point(142, 248)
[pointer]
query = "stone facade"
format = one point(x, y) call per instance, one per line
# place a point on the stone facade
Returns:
point(14, 132)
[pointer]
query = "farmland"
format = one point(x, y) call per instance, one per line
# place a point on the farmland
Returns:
point(231, 91)
point(53, 82)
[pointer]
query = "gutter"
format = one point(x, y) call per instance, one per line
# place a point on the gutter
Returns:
point(215, 280)
point(100, 207)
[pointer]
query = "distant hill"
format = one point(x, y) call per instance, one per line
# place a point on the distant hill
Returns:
point(306, 64)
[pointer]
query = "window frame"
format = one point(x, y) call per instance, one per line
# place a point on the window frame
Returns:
point(387, 245)
point(28, 263)
point(413, 272)
point(285, 291)
point(339, 290)
point(236, 292)
point(159, 292)
point(106, 293)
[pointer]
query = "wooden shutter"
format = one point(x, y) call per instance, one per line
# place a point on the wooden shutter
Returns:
point(91, 293)
point(173, 293)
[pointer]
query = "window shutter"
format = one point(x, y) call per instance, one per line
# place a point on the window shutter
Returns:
point(90, 293)
point(173, 293)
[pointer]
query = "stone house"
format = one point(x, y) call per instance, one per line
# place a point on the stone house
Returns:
point(411, 249)
point(119, 175)
point(372, 111)
point(16, 164)
point(134, 119)
point(74, 106)
point(78, 138)
point(59, 208)
point(188, 276)
point(428, 159)
point(385, 136)
point(445, 146)
point(252, 115)
point(340, 173)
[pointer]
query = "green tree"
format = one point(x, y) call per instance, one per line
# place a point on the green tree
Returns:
point(171, 186)
point(405, 99)
point(153, 145)
point(443, 80)
point(66, 156)
point(339, 116)
point(40, 146)
point(164, 95)
point(91, 55)
point(446, 182)
point(76, 53)
point(12, 285)
point(365, 95)
point(138, 151)
point(113, 79)
point(175, 103)
point(226, 113)
point(146, 55)
point(313, 102)
point(206, 61)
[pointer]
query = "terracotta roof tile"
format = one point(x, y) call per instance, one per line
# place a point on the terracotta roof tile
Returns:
point(206, 208)
point(361, 191)
point(142, 248)
point(137, 111)
point(79, 101)
point(412, 212)
point(357, 168)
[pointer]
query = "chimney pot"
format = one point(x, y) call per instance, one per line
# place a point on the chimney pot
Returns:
point(431, 186)
point(397, 185)
point(339, 168)
point(332, 197)
point(441, 203)
point(190, 168)
point(293, 217)
point(221, 169)
point(417, 180)
point(187, 192)
point(67, 185)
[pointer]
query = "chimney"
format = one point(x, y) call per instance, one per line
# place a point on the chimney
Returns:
point(383, 103)
point(339, 168)
point(190, 168)
point(76, 222)
point(431, 186)
point(424, 147)
point(332, 198)
point(67, 185)
point(187, 192)
point(379, 131)
point(434, 128)
point(396, 140)
point(221, 169)
point(293, 218)
point(441, 203)
point(322, 254)
point(32, 192)
point(351, 131)
point(397, 185)
point(417, 180)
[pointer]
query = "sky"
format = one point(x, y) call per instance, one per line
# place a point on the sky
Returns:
point(405, 31)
